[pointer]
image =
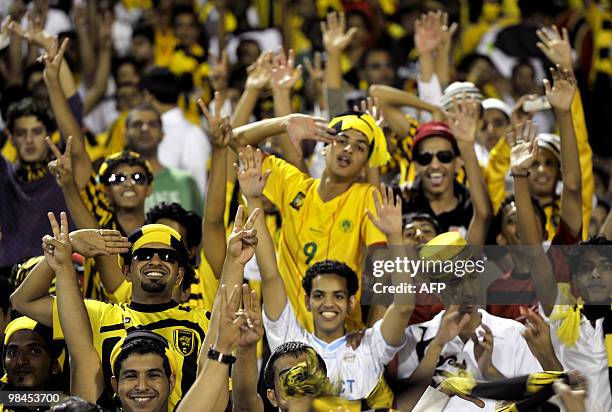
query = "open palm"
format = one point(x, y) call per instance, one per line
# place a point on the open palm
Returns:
point(335, 38)
point(522, 139)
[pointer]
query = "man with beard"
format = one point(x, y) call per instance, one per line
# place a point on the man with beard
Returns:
point(462, 338)
point(30, 358)
point(155, 264)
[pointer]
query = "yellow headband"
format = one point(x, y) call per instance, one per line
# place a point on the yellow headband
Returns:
point(156, 233)
point(170, 355)
point(364, 123)
point(22, 323)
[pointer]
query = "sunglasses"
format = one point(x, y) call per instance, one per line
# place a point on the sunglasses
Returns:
point(425, 158)
point(145, 254)
point(119, 179)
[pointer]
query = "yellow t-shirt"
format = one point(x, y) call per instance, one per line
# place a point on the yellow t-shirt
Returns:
point(314, 230)
point(183, 327)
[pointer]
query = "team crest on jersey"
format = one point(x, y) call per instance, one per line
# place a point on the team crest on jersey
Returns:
point(349, 357)
point(184, 341)
point(346, 225)
point(298, 201)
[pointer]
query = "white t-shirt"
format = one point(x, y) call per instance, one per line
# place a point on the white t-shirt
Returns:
point(184, 146)
point(588, 356)
point(511, 355)
point(359, 370)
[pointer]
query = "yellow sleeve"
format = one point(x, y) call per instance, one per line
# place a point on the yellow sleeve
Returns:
point(96, 202)
point(284, 175)
point(585, 155)
point(95, 310)
point(495, 172)
point(370, 234)
point(123, 293)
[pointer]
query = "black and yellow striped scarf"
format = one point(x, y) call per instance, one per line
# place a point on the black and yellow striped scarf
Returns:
point(31, 172)
point(523, 393)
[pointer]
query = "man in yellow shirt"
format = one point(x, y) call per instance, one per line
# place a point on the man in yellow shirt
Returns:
point(326, 218)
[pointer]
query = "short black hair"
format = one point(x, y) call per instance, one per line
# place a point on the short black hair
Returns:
point(30, 107)
point(32, 68)
point(576, 254)
point(142, 342)
point(366, 55)
point(144, 30)
point(331, 267)
point(162, 84)
point(183, 9)
point(126, 158)
point(496, 225)
point(420, 216)
point(190, 221)
point(173, 211)
point(120, 61)
point(287, 349)
point(75, 404)
point(142, 107)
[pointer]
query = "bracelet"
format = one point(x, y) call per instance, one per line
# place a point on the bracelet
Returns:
point(220, 357)
point(526, 174)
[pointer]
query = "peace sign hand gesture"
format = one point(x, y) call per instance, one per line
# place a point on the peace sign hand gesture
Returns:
point(61, 167)
point(243, 239)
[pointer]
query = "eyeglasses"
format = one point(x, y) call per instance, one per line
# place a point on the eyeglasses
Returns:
point(120, 178)
point(425, 158)
point(145, 254)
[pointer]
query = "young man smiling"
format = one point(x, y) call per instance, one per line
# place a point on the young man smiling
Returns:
point(330, 289)
point(155, 265)
point(322, 218)
point(144, 372)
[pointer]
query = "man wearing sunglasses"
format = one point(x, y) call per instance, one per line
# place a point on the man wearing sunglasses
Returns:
point(436, 192)
point(155, 265)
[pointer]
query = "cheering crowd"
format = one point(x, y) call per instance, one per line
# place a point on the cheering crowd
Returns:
point(197, 197)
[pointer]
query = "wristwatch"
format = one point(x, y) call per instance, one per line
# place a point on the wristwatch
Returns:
point(220, 357)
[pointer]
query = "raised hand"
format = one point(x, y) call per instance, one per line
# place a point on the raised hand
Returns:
point(302, 127)
point(463, 117)
point(230, 323)
point(283, 74)
point(452, 324)
point(573, 396)
point(98, 242)
point(252, 330)
point(556, 46)
point(446, 33)
point(562, 92)
point(483, 351)
point(219, 70)
point(220, 130)
point(315, 69)
point(259, 72)
point(243, 239)
point(389, 212)
point(251, 181)
point(57, 248)
point(428, 32)
point(522, 139)
point(35, 34)
point(105, 27)
point(53, 63)
point(61, 167)
point(372, 107)
point(537, 334)
point(335, 36)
